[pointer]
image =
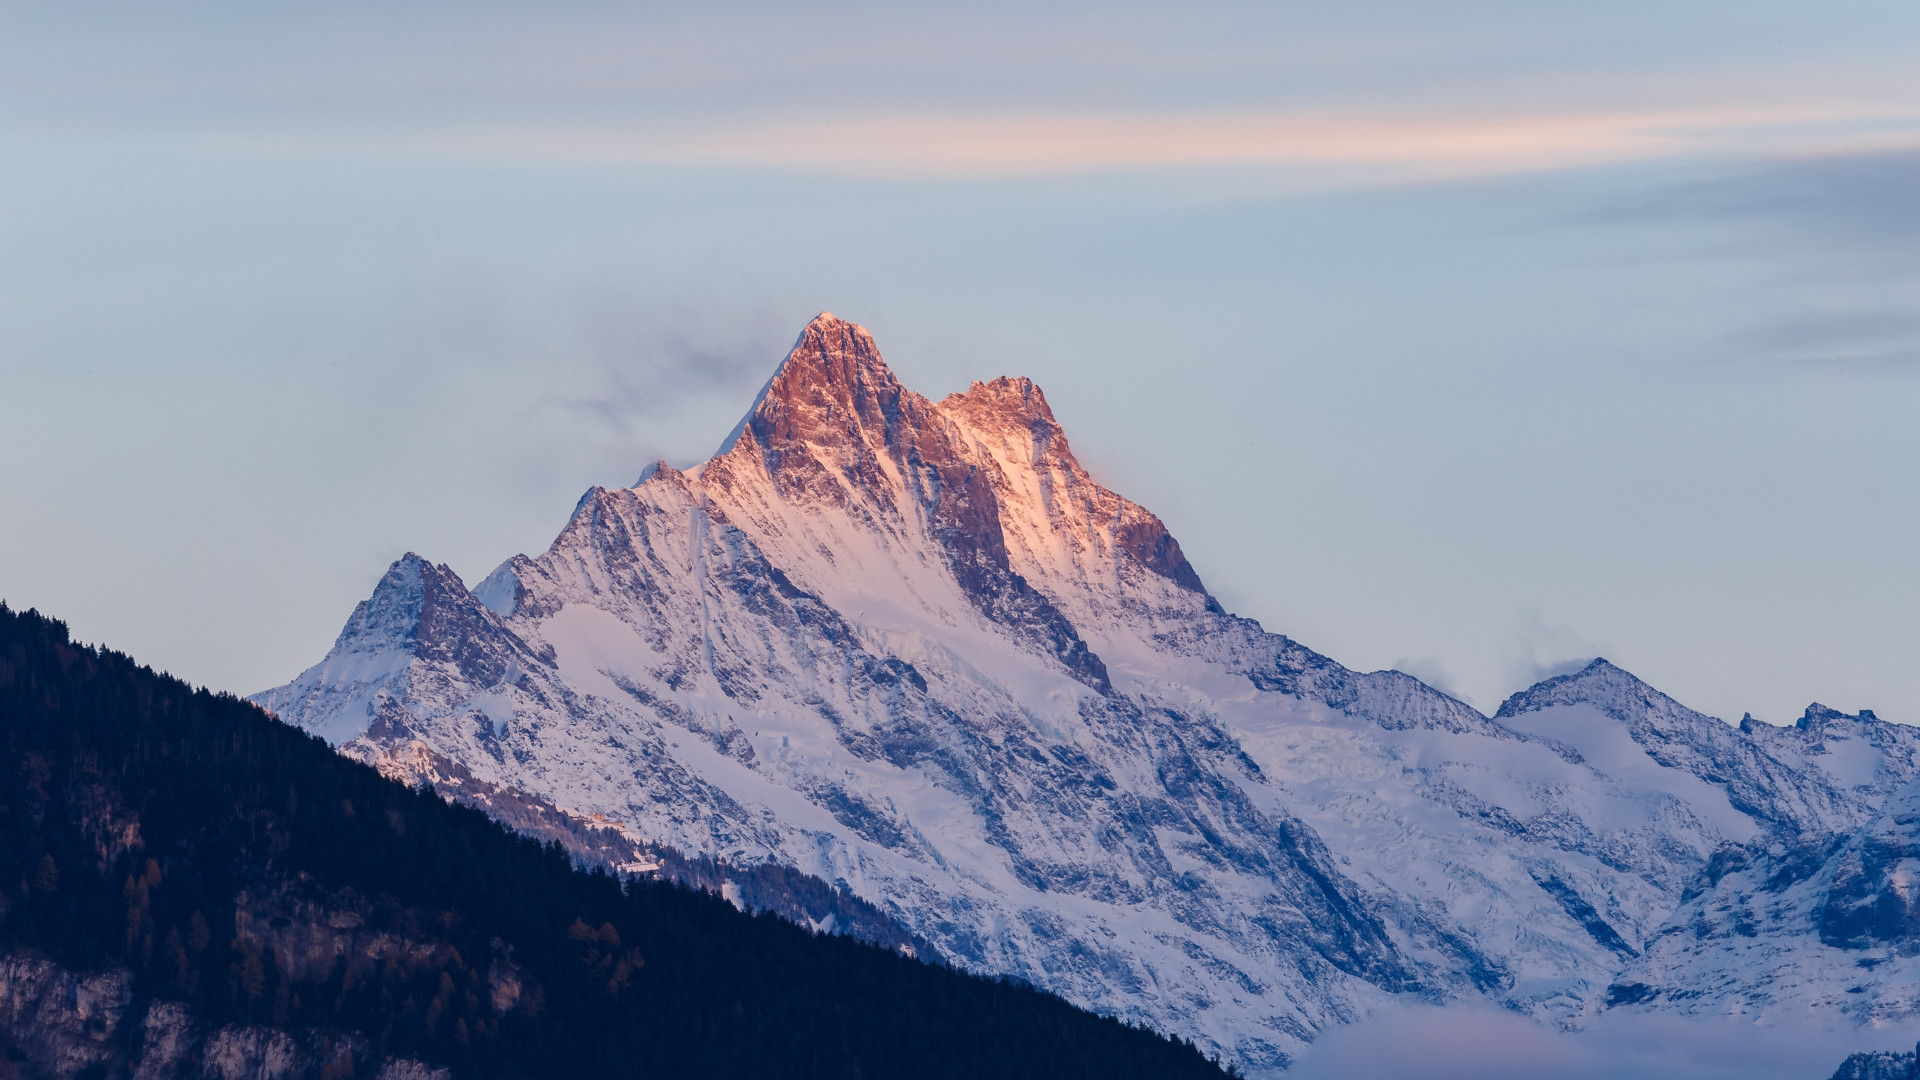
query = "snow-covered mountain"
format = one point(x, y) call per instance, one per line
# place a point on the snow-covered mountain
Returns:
point(913, 649)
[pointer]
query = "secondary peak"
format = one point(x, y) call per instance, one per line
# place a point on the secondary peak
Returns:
point(1016, 400)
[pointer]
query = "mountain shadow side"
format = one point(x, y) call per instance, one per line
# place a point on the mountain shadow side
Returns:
point(191, 888)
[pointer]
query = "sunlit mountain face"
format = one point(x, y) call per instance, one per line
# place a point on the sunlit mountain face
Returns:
point(911, 652)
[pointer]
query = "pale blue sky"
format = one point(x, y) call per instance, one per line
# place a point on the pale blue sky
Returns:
point(1468, 338)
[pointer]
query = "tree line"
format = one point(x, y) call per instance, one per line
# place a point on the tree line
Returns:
point(239, 865)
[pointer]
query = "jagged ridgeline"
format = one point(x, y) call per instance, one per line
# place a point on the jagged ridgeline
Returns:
point(189, 887)
point(911, 663)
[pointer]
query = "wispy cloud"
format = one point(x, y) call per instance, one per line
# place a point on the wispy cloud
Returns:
point(1542, 650)
point(1867, 340)
point(1833, 238)
point(647, 360)
point(1430, 670)
point(1862, 198)
point(1385, 91)
point(1334, 146)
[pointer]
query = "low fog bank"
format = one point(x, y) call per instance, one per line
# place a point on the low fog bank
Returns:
point(1477, 1043)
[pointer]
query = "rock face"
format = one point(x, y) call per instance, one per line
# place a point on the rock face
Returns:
point(1818, 921)
point(61, 1024)
point(593, 839)
point(913, 649)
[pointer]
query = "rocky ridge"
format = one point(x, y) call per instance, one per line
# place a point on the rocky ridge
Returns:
point(914, 650)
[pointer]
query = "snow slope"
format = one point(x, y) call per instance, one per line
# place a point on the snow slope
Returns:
point(913, 649)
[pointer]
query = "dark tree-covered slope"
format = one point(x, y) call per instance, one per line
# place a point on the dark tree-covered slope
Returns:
point(241, 886)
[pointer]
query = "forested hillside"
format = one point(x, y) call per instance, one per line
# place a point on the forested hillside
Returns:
point(242, 886)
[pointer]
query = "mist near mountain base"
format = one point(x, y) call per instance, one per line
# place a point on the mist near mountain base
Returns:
point(1462, 1042)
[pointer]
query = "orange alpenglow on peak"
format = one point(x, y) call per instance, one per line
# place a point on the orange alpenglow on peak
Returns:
point(831, 352)
point(1003, 401)
point(834, 373)
point(835, 370)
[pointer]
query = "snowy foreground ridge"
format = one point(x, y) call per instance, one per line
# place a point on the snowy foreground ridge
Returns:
point(913, 649)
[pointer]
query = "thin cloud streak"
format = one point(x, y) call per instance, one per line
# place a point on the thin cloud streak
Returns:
point(1337, 148)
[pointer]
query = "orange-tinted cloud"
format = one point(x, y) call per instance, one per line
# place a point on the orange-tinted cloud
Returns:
point(1333, 148)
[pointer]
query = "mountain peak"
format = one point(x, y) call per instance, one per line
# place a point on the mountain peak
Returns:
point(1614, 689)
point(1002, 402)
point(830, 353)
point(832, 384)
point(409, 596)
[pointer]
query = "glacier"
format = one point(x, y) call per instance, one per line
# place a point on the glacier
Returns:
point(912, 650)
